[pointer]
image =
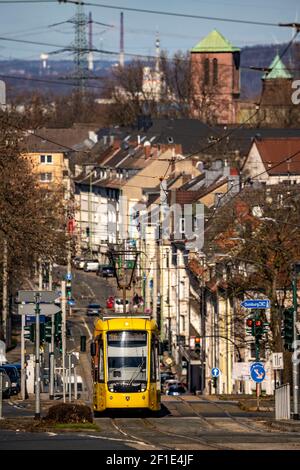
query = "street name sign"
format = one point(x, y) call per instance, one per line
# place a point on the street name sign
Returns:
point(258, 373)
point(277, 361)
point(256, 303)
point(29, 296)
point(215, 372)
point(45, 309)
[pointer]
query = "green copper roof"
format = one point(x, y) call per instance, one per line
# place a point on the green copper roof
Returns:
point(214, 42)
point(278, 70)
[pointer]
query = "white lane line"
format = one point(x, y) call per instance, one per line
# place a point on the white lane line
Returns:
point(90, 289)
point(116, 439)
point(87, 328)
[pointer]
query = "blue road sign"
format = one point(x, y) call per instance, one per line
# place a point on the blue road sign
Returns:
point(258, 373)
point(215, 372)
point(255, 364)
point(68, 277)
point(71, 302)
point(256, 303)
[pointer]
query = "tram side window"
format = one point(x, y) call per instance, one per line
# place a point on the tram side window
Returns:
point(154, 365)
point(101, 363)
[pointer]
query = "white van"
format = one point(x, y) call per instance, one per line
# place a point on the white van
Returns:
point(91, 266)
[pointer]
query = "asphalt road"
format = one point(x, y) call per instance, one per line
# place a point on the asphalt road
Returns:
point(14, 440)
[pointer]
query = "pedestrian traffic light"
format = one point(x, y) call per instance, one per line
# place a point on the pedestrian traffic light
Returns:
point(214, 382)
point(87, 231)
point(251, 326)
point(69, 290)
point(48, 330)
point(29, 332)
point(197, 346)
point(288, 328)
point(42, 332)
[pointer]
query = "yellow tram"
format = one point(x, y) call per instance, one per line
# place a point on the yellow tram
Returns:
point(125, 363)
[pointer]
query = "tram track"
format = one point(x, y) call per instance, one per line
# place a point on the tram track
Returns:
point(148, 442)
point(226, 412)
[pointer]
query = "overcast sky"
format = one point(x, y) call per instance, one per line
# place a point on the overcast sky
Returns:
point(31, 22)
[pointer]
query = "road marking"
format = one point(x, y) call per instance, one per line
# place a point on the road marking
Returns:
point(116, 439)
point(87, 327)
point(51, 434)
point(90, 289)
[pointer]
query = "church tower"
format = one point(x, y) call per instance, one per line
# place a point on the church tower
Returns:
point(215, 66)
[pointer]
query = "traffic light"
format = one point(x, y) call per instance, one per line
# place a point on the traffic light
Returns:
point(48, 330)
point(259, 327)
point(197, 346)
point(87, 231)
point(29, 332)
point(69, 290)
point(58, 326)
point(250, 326)
point(82, 343)
point(288, 328)
point(214, 382)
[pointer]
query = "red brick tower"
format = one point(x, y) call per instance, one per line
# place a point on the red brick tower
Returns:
point(216, 79)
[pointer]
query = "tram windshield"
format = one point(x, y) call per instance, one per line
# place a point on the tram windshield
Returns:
point(127, 358)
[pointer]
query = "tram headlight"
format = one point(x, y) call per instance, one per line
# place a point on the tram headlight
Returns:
point(111, 388)
point(143, 388)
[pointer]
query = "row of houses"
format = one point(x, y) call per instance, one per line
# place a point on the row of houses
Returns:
point(119, 185)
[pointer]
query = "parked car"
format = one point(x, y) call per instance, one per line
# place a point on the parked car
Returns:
point(93, 309)
point(91, 266)
point(13, 374)
point(176, 389)
point(6, 384)
point(106, 271)
point(119, 306)
point(168, 383)
point(81, 263)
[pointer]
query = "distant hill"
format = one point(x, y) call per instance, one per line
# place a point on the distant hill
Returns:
point(262, 56)
point(259, 56)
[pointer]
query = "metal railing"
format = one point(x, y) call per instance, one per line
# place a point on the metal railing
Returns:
point(283, 402)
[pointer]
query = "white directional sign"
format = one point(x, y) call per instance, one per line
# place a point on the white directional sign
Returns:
point(277, 361)
point(44, 296)
point(45, 309)
point(3, 359)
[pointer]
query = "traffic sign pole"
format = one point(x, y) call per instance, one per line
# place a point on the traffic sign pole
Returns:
point(63, 335)
point(23, 370)
point(51, 360)
point(295, 363)
point(37, 359)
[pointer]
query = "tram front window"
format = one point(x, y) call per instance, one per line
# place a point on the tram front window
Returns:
point(127, 361)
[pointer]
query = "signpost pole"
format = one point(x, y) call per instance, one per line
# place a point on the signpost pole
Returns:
point(1, 386)
point(37, 358)
point(51, 360)
point(23, 369)
point(295, 363)
point(63, 336)
point(257, 360)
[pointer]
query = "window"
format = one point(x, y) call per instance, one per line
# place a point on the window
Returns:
point(206, 72)
point(45, 177)
point(46, 159)
point(154, 361)
point(101, 363)
point(215, 71)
